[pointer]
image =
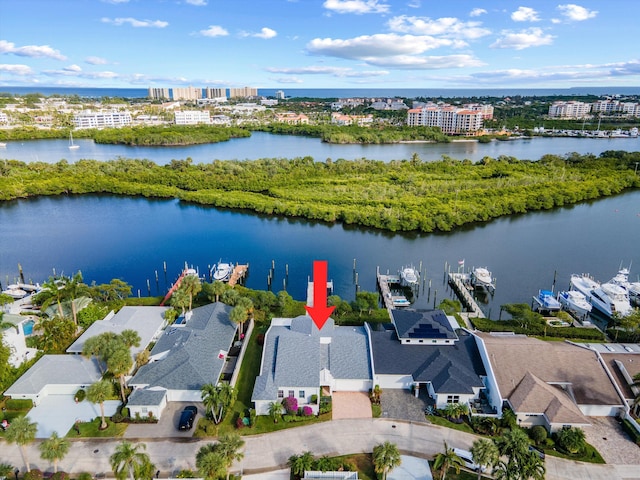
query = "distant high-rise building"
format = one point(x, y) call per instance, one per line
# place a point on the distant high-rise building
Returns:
point(280, 95)
point(451, 120)
point(244, 92)
point(211, 92)
point(570, 109)
point(158, 93)
point(186, 93)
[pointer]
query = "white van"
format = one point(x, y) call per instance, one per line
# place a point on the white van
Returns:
point(467, 459)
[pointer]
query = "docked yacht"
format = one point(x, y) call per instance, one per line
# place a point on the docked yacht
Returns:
point(222, 271)
point(608, 298)
point(632, 288)
point(575, 302)
point(546, 301)
point(481, 278)
point(15, 292)
point(410, 276)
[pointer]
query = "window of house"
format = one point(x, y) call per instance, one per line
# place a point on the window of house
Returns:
point(301, 394)
point(144, 409)
point(292, 393)
point(420, 341)
point(453, 398)
point(280, 394)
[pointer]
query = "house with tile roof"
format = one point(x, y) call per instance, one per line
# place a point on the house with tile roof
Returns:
point(185, 357)
point(423, 350)
point(554, 384)
point(300, 361)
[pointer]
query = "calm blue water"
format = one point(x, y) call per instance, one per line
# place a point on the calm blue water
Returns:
point(265, 145)
point(343, 92)
point(131, 238)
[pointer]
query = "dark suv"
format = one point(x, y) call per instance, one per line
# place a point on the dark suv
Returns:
point(187, 417)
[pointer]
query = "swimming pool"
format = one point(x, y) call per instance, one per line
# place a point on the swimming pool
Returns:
point(27, 327)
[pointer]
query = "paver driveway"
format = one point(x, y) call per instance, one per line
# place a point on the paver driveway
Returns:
point(350, 405)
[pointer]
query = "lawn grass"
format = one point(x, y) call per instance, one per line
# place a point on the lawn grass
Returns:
point(590, 454)
point(364, 464)
point(443, 422)
point(92, 429)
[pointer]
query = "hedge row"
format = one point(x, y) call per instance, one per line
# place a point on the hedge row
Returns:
point(486, 325)
point(630, 429)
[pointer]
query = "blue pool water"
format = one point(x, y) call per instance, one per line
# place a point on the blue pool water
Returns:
point(28, 327)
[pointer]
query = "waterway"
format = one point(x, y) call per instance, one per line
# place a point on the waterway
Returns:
point(264, 145)
point(131, 238)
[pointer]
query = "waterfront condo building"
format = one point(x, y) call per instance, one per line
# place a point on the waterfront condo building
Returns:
point(451, 120)
point(112, 119)
point(192, 117)
point(159, 93)
point(186, 93)
point(571, 109)
point(216, 93)
point(244, 92)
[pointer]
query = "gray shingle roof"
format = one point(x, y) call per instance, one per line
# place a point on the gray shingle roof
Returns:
point(453, 368)
point(293, 356)
point(431, 324)
point(56, 370)
point(143, 396)
point(190, 352)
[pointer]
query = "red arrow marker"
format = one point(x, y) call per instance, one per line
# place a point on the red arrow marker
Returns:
point(319, 312)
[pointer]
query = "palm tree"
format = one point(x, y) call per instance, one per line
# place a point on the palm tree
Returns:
point(238, 315)
point(446, 460)
point(214, 290)
point(98, 393)
point(180, 299)
point(52, 291)
point(210, 462)
point(484, 453)
point(513, 444)
point(229, 445)
point(22, 432)
point(119, 363)
point(300, 463)
point(386, 456)
point(532, 467)
point(130, 338)
point(192, 286)
point(216, 398)
point(230, 296)
point(74, 288)
point(275, 410)
point(54, 449)
point(571, 439)
point(127, 460)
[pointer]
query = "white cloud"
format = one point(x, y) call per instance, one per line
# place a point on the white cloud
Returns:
point(374, 46)
point(289, 80)
point(326, 70)
point(446, 27)
point(197, 3)
point(34, 51)
point(16, 69)
point(576, 13)
point(525, 14)
point(135, 22)
point(355, 6)
point(265, 33)
point(476, 12)
point(75, 71)
point(214, 31)
point(72, 68)
point(414, 4)
point(411, 62)
point(532, 37)
point(96, 61)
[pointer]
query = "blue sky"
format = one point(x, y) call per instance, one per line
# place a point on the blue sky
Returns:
point(319, 43)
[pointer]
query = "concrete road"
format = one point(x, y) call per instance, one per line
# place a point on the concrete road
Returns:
point(270, 451)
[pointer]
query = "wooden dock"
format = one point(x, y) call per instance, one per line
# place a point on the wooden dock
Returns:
point(385, 290)
point(239, 271)
point(456, 280)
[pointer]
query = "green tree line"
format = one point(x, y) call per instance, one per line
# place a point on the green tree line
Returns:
point(407, 195)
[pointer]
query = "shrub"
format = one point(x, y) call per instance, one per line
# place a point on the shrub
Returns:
point(239, 423)
point(290, 405)
point(314, 398)
point(307, 411)
point(80, 395)
point(538, 434)
point(117, 418)
point(85, 476)
point(325, 405)
point(60, 476)
point(631, 431)
point(186, 474)
point(260, 339)
point(34, 474)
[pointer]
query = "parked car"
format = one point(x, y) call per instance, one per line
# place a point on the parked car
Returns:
point(540, 453)
point(187, 417)
point(467, 459)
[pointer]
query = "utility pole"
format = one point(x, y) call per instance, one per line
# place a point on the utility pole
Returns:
point(636, 170)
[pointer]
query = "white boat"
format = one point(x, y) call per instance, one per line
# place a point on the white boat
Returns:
point(481, 278)
point(72, 146)
point(547, 301)
point(222, 271)
point(14, 291)
point(608, 298)
point(575, 302)
point(632, 288)
point(3, 145)
point(410, 276)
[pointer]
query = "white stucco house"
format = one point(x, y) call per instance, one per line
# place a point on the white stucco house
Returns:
point(300, 361)
point(14, 337)
point(184, 358)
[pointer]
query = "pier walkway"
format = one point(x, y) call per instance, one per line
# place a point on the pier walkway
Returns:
point(239, 271)
point(385, 290)
point(457, 282)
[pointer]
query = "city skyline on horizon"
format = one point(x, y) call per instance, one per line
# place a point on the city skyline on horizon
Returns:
point(331, 44)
